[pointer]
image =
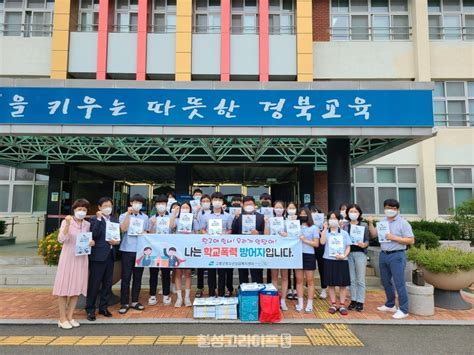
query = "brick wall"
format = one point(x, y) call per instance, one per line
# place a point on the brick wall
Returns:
point(321, 20)
point(321, 190)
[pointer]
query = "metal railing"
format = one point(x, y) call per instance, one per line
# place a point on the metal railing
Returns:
point(451, 33)
point(453, 120)
point(88, 27)
point(206, 29)
point(10, 225)
point(161, 29)
point(244, 30)
point(393, 33)
point(26, 30)
point(125, 28)
point(282, 30)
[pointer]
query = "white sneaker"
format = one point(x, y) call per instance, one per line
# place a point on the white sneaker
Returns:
point(166, 300)
point(74, 323)
point(399, 315)
point(309, 308)
point(323, 295)
point(152, 300)
point(187, 302)
point(179, 303)
point(283, 306)
point(173, 289)
point(384, 308)
point(298, 308)
point(65, 325)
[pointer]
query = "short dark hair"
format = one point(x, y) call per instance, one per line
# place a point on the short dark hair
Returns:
point(248, 198)
point(308, 213)
point(357, 207)
point(391, 202)
point(197, 191)
point(205, 196)
point(236, 198)
point(105, 199)
point(174, 204)
point(137, 197)
point(148, 248)
point(315, 209)
point(342, 205)
point(218, 195)
point(265, 196)
point(161, 198)
point(82, 202)
point(172, 249)
point(336, 213)
point(279, 201)
point(171, 193)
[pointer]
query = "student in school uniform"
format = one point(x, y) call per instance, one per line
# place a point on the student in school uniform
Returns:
point(310, 238)
point(319, 252)
point(291, 210)
point(225, 276)
point(176, 214)
point(336, 266)
point(266, 201)
point(161, 215)
point(249, 209)
point(357, 258)
point(101, 260)
point(128, 247)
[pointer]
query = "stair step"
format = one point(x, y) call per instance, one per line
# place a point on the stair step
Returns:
point(21, 260)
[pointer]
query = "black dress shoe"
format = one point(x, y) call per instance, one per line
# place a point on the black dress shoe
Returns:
point(353, 305)
point(105, 313)
point(91, 317)
point(359, 307)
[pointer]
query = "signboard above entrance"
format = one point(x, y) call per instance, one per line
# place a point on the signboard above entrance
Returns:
point(185, 107)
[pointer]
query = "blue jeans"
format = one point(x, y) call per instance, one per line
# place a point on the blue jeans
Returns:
point(357, 265)
point(392, 266)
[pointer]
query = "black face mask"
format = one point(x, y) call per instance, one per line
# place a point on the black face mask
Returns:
point(303, 219)
point(266, 203)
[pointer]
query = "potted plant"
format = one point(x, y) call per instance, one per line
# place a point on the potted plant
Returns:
point(449, 270)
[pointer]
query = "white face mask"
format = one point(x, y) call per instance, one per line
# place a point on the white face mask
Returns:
point(249, 209)
point(291, 211)
point(80, 214)
point(197, 198)
point(206, 205)
point(343, 214)
point(278, 211)
point(390, 213)
point(161, 208)
point(107, 211)
point(137, 206)
point(353, 216)
point(171, 200)
point(333, 223)
point(185, 210)
point(217, 204)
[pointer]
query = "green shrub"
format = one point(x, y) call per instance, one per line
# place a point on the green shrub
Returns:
point(444, 230)
point(442, 260)
point(463, 215)
point(426, 238)
point(3, 227)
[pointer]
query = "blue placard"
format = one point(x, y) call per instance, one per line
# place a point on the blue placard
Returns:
point(184, 107)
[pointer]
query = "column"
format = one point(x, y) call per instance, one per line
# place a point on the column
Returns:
point(339, 171)
point(421, 40)
point(60, 39)
point(304, 40)
point(306, 185)
point(183, 179)
point(105, 18)
point(263, 39)
point(428, 204)
point(184, 20)
point(142, 39)
point(225, 40)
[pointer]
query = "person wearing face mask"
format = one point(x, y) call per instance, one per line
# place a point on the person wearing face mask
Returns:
point(128, 247)
point(319, 252)
point(226, 275)
point(336, 266)
point(291, 214)
point(101, 261)
point(160, 215)
point(266, 201)
point(249, 208)
point(343, 212)
point(171, 200)
point(72, 272)
point(392, 260)
point(357, 258)
point(204, 209)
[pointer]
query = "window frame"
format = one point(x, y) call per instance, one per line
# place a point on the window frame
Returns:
point(453, 185)
point(27, 28)
point(167, 12)
point(464, 33)
point(243, 12)
point(445, 99)
point(209, 12)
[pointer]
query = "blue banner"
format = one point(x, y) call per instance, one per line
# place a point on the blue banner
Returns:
point(184, 107)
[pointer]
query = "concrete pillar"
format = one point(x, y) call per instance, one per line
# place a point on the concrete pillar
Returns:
point(428, 197)
point(421, 41)
point(306, 184)
point(183, 179)
point(339, 172)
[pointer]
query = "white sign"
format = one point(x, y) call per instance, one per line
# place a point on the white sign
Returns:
point(82, 243)
point(249, 223)
point(357, 234)
point(382, 230)
point(136, 226)
point(185, 223)
point(112, 231)
point(335, 244)
point(215, 226)
point(293, 228)
point(277, 225)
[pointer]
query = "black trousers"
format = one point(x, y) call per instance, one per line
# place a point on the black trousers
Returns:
point(100, 278)
point(256, 274)
point(290, 285)
point(200, 278)
point(269, 276)
point(225, 279)
point(165, 280)
point(211, 280)
point(319, 251)
point(129, 270)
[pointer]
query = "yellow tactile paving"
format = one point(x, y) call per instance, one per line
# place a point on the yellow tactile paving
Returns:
point(143, 340)
point(117, 340)
point(169, 340)
point(65, 341)
point(14, 340)
point(321, 307)
point(91, 341)
point(300, 340)
point(39, 340)
point(343, 335)
point(320, 337)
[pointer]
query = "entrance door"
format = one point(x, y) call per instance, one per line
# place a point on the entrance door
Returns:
point(284, 191)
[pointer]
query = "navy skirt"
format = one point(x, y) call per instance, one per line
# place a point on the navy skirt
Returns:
point(309, 261)
point(336, 273)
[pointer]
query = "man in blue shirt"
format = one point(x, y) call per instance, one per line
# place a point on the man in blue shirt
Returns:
point(133, 223)
point(393, 259)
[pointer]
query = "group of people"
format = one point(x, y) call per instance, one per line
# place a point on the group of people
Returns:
point(91, 275)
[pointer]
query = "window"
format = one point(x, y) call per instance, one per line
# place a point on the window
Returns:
point(88, 16)
point(244, 16)
point(126, 16)
point(451, 19)
point(207, 16)
point(372, 186)
point(454, 186)
point(453, 103)
point(370, 20)
point(164, 16)
point(281, 17)
point(27, 18)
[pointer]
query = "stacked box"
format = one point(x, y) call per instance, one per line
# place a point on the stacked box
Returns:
point(205, 308)
point(227, 309)
point(248, 302)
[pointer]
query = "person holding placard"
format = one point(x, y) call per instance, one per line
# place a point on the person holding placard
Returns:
point(182, 221)
point(359, 233)
point(72, 272)
point(160, 224)
point(319, 219)
point(255, 225)
point(106, 234)
point(211, 223)
point(392, 260)
point(291, 215)
point(204, 208)
point(267, 211)
point(133, 223)
point(336, 267)
point(310, 238)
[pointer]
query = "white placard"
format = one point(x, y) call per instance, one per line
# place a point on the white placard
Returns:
point(357, 234)
point(277, 225)
point(382, 230)
point(293, 228)
point(136, 226)
point(335, 244)
point(82, 243)
point(112, 231)
point(249, 223)
point(185, 223)
point(215, 226)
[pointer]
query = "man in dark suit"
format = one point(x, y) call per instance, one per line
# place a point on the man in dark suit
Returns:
point(101, 260)
point(249, 209)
